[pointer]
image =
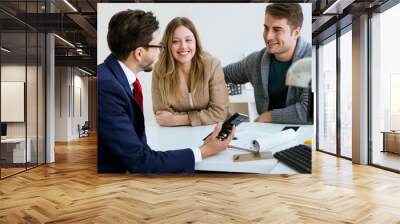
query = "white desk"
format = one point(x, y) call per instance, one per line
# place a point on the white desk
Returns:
point(167, 138)
point(19, 154)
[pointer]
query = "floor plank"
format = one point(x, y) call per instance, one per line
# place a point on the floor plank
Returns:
point(387, 159)
point(71, 191)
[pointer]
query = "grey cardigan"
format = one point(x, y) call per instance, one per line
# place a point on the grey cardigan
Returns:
point(255, 69)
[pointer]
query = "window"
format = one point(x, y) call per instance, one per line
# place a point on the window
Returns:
point(327, 96)
point(22, 66)
point(385, 85)
point(346, 93)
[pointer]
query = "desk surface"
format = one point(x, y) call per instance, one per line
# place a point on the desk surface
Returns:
point(391, 132)
point(167, 138)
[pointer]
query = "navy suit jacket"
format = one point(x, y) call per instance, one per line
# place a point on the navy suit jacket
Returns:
point(122, 142)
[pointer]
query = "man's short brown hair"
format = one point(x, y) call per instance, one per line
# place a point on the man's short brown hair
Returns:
point(128, 30)
point(290, 11)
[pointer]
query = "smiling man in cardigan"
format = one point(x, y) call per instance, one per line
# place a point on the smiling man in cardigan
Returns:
point(266, 69)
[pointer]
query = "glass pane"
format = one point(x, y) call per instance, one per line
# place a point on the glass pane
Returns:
point(23, 82)
point(385, 89)
point(13, 85)
point(346, 94)
point(327, 97)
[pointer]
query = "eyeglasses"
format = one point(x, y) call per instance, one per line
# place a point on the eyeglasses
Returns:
point(161, 45)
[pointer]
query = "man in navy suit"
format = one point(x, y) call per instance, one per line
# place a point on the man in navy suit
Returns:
point(133, 39)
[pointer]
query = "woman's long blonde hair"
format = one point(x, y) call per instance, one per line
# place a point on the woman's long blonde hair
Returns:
point(166, 67)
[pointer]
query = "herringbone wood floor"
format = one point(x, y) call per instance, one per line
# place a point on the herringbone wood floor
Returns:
point(70, 191)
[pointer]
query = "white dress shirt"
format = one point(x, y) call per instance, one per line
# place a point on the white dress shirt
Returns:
point(129, 74)
point(131, 79)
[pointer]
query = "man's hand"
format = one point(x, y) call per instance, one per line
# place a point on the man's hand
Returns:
point(166, 118)
point(265, 117)
point(212, 145)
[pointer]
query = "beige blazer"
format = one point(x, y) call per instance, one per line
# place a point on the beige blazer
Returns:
point(209, 107)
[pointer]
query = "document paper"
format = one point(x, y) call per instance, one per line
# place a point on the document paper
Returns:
point(263, 142)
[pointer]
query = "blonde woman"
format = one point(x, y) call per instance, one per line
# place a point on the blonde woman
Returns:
point(188, 86)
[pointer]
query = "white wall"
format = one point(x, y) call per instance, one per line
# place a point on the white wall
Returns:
point(17, 73)
point(228, 31)
point(14, 72)
point(61, 103)
point(33, 125)
point(70, 84)
point(81, 84)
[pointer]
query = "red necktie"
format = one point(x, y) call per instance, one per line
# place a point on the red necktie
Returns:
point(137, 93)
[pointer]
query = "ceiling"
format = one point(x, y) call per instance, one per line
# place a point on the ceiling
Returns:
point(76, 23)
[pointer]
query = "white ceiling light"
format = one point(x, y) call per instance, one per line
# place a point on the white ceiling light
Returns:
point(65, 41)
point(84, 71)
point(5, 50)
point(70, 5)
point(338, 6)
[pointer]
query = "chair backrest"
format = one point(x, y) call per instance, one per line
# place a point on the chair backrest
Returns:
point(86, 125)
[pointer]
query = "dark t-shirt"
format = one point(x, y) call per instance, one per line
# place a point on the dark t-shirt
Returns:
point(277, 89)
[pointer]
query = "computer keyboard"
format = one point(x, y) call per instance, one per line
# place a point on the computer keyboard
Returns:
point(297, 157)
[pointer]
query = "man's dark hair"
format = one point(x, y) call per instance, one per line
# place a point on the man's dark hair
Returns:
point(290, 11)
point(129, 30)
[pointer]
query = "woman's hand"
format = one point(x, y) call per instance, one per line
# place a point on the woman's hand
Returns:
point(166, 118)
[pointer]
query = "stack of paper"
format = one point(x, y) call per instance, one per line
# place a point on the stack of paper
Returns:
point(263, 142)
